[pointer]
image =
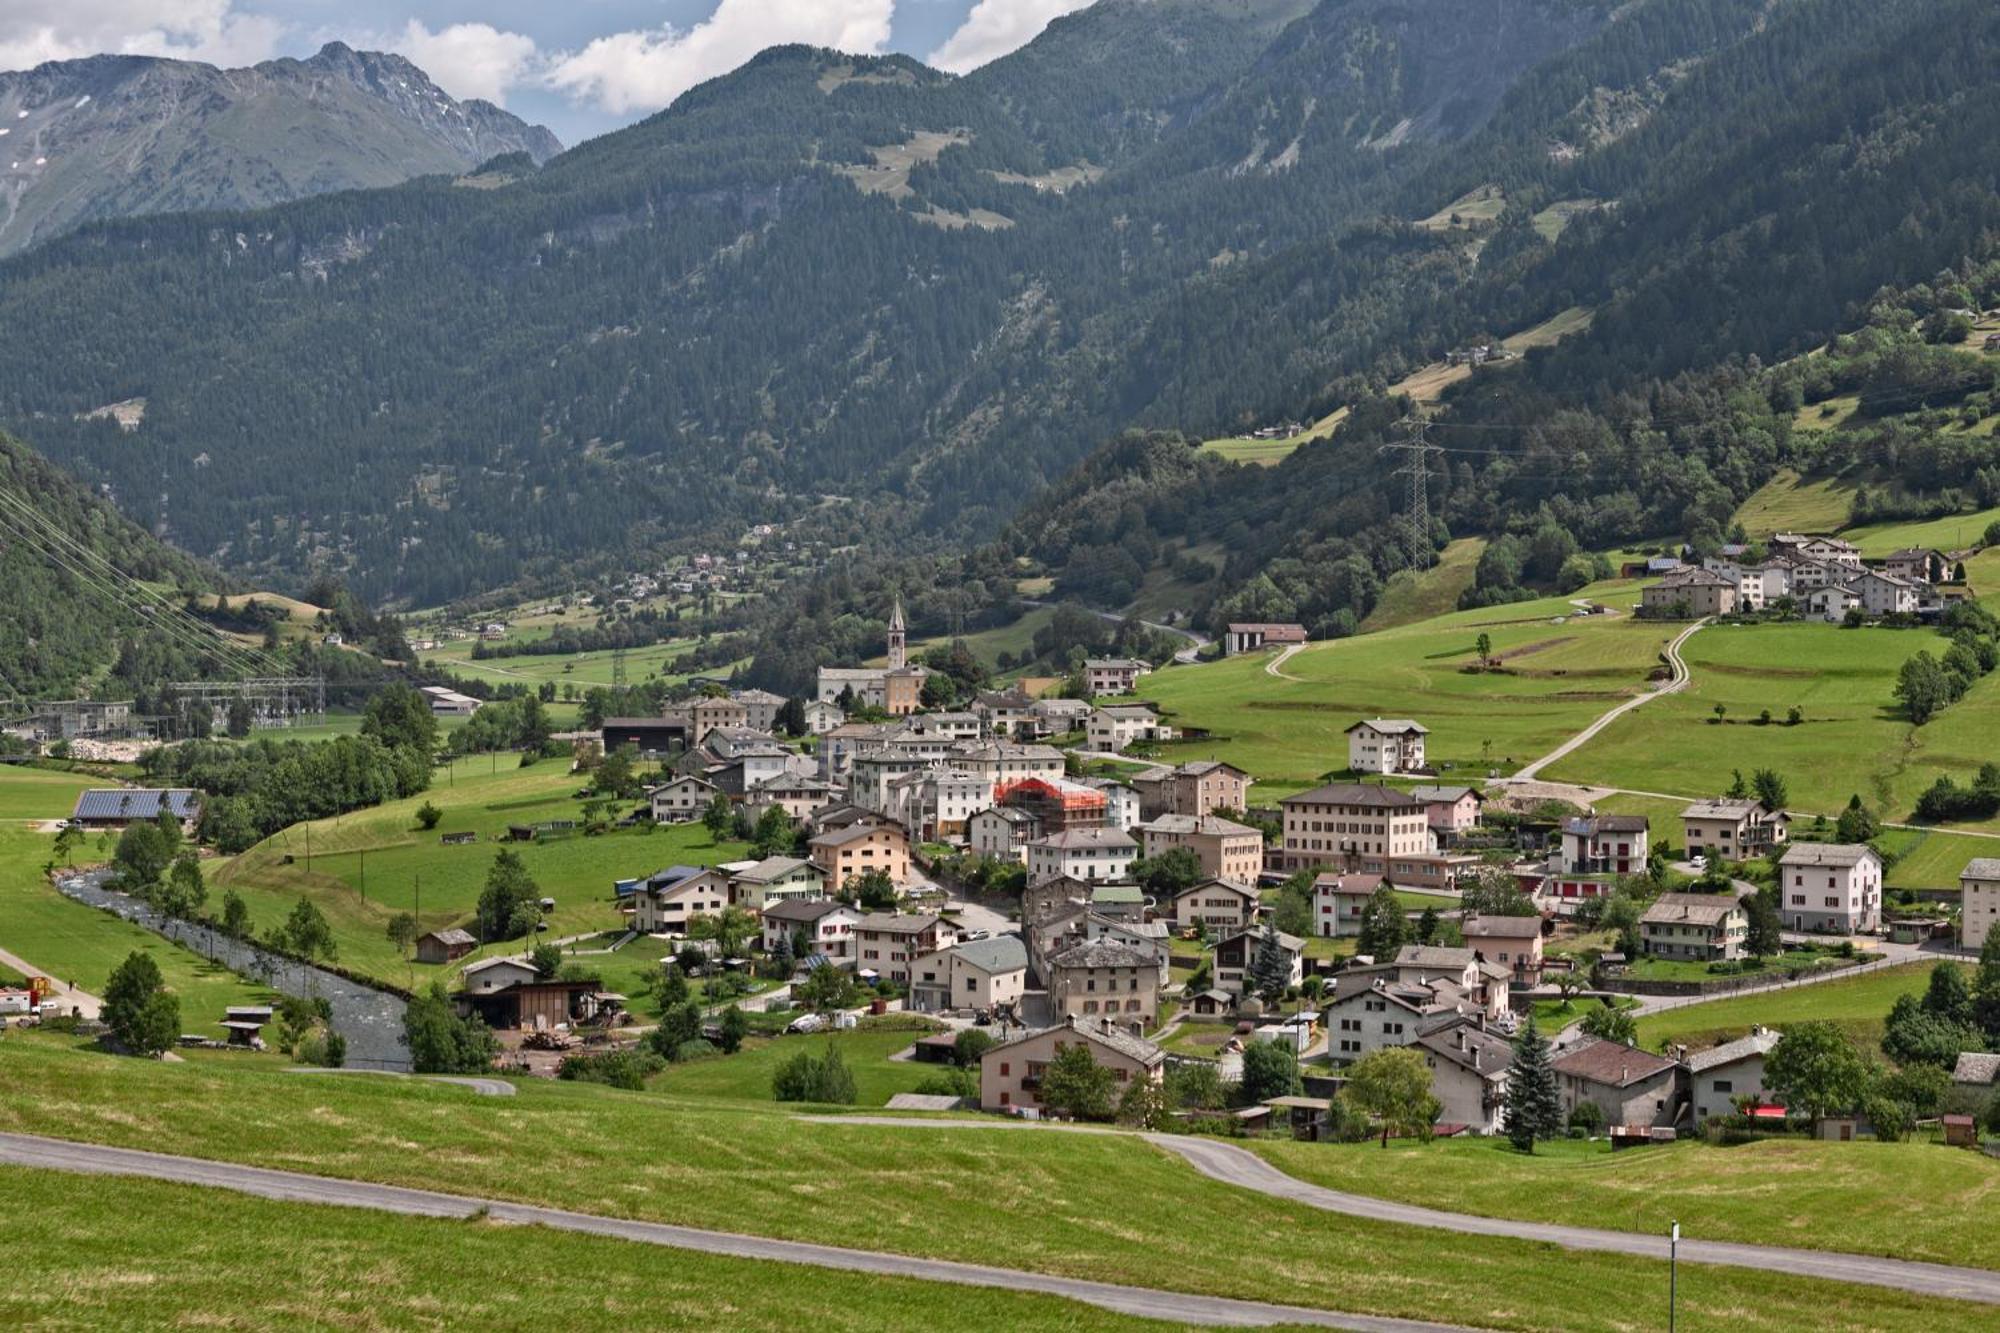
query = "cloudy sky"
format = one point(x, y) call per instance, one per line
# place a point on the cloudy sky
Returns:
point(581, 67)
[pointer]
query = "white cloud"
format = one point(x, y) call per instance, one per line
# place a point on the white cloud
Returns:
point(643, 71)
point(32, 31)
point(995, 27)
point(467, 59)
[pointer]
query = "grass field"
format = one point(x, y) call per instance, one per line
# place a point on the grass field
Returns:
point(1788, 503)
point(38, 794)
point(384, 849)
point(1955, 532)
point(1289, 732)
point(746, 1076)
point(1102, 1206)
point(582, 670)
point(1413, 595)
point(1551, 221)
point(1865, 1198)
point(146, 1254)
point(74, 943)
point(1483, 203)
point(1857, 1004)
point(1852, 740)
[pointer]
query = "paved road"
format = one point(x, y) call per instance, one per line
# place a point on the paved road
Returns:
point(1188, 656)
point(66, 996)
point(371, 1020)
point(1674, 684)
point(1179, 1307)
point(1225, 1162)
point(1236, 1166)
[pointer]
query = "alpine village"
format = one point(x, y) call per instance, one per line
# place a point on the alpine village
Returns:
point(1001, 664)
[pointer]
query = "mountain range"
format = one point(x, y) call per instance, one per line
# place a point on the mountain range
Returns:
point(117, 136)
point(901, 307)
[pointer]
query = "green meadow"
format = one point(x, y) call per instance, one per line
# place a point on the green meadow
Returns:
point(1561, 671)
point(746, 1075)
point(1852, 740)
point(1101, 1206)
point(1890, 1199)
point(364, 868)
point(1858, 1004)
point(128, 1253)
point(73, 943)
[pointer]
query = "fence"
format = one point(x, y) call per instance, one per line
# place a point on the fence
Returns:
point(1751, 982)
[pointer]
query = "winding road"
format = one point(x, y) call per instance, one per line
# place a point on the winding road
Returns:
point(1187, 656)
point(1236, 1166)
point(1276, 666)
point(1674, 684)
point(291, 1187)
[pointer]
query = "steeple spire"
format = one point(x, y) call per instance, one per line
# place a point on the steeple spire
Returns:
point(898, 652)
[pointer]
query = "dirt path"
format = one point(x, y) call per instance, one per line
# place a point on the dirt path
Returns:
point(1675, 683)
point(1276, 666)
point(65, 994)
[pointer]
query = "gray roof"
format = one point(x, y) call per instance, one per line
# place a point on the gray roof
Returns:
point(1001, 953)
point(1759, 1042)
point(1977, 1067)
point(1207, 825)
point(1356, 793)
point(896, 923)
point(1208, 885)
point(1291, 943)
point(772, 867)
point(450, 935)
point(1105, 953)
point(803, 909)
point(1428, 793)
point(1502, 927)
point(1079, 838)
point(1826, 854)
point(137, 803)
point(1725, 807)
point(1612, 1063)
point(1434, 955)
point(1136, 1047)
point(1697, 909)
point(1981, 867)
point(1589, 826)
point(1390, 725)
point(1487, 1054)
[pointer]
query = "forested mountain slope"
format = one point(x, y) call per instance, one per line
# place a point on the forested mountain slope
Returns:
point(116, 136)
point(57, 543)
point(817, 276)
point(824, 276)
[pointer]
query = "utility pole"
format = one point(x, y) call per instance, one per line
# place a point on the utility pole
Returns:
point(618, 668)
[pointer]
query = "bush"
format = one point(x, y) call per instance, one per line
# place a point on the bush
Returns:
point(618, 1069)
point(1585, 1120)
point(696, 1048)
point(806, 1077)
point(949, 1083)
point(428, 816)
point(323, 1048)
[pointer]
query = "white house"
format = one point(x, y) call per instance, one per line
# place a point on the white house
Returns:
point(1386, 745)
point(681, 800)
point(1113, 675)
point(1112, 729)
point(1338, 901)
point(1831, 887)
point(665, 903)
point(1979, 886)
point(1831, 602)
point(1469, 1067)
point(1371, 1010)
point(1719, 1075)
point(1001, 832)
point(827, 924)
point(1093, 855)
point(1885, 594)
